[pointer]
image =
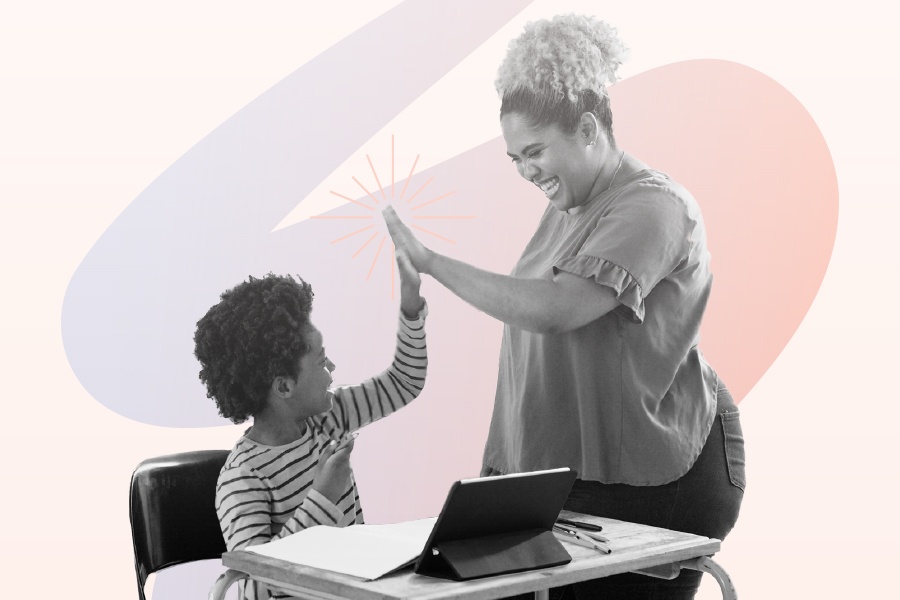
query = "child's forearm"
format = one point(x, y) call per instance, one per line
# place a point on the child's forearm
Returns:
point(358, 405)
point(316, 509)
point(411, 302)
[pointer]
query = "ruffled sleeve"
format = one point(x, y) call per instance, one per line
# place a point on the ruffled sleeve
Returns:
point(634, 242)
point(627, 289)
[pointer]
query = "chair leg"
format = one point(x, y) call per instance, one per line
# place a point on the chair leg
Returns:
point(708, 565)
point(224, 582)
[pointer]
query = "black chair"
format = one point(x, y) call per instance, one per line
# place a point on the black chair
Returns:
point(172, 511)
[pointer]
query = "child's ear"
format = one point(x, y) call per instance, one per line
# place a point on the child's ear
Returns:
point(282, 386)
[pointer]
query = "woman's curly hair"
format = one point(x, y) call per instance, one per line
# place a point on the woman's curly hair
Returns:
point(253, 335)
point(558, 69)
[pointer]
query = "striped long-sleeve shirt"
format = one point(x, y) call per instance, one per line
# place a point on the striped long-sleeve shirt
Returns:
point(264, 492)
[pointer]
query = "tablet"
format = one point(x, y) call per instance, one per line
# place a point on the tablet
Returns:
point(501, 524)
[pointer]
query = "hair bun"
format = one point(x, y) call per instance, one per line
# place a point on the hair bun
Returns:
point(567, 54)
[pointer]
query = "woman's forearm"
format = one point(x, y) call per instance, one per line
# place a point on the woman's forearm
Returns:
point(555, 305)
point(540, 305)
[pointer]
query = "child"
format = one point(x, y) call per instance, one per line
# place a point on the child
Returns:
point(261, 357)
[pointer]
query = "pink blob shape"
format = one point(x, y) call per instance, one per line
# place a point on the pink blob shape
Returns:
point(759, 167)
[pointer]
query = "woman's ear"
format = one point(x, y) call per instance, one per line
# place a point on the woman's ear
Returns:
point(589, 128)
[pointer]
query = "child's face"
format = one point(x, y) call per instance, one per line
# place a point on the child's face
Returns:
point(311, 389)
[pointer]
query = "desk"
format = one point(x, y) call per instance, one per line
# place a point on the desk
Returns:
point(649, 550)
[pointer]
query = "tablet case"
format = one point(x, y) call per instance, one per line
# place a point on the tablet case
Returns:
point(498, 525)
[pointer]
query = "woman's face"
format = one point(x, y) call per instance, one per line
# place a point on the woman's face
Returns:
point(558, 163)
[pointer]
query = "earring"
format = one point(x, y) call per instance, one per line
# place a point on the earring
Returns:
point(593, 143)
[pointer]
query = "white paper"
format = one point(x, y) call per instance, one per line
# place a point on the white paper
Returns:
point(365, 551)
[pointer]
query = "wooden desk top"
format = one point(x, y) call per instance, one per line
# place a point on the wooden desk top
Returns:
point(633, 547)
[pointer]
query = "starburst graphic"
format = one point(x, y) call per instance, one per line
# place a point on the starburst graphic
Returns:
point(374, 235)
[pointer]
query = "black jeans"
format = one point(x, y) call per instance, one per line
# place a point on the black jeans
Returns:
point(705, 501)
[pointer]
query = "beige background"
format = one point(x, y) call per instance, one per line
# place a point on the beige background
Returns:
point(98, 99)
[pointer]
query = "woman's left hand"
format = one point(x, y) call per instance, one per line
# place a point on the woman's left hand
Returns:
point(407, 243)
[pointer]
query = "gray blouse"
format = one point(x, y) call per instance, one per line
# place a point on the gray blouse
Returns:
point(629, 397)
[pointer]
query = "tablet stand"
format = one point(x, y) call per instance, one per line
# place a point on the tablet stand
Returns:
point(493, 555)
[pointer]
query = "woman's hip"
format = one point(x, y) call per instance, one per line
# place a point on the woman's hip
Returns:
point(705, 501)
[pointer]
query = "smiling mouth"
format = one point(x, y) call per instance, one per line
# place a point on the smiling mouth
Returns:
point(549, 186)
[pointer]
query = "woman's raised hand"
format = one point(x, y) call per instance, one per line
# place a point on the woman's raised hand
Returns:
point(405, 242)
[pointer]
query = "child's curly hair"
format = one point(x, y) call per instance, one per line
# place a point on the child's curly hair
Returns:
point(558, 69)
point(253, 335)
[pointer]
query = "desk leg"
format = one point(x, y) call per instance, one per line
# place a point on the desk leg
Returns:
point(224, 582)
point(542, 594)
point(707, 565)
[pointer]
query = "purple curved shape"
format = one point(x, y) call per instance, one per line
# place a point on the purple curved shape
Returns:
point(130, 309)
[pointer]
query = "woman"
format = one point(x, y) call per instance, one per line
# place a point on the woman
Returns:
point(600, 369)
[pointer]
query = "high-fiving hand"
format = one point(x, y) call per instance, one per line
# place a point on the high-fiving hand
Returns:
point(406, 243)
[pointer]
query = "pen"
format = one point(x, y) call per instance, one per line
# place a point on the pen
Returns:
point(595, 544)
point(591, 534)
point(565, 530)
point(580, 524)
point(595, 536)
point(580, 540)
point(571, 539)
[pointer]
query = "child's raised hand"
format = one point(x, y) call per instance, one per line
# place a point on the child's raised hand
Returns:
point(410, 300)
point(409, 277)
point(333, 471)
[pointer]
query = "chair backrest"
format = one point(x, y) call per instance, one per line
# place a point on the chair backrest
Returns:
point(172, 511)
